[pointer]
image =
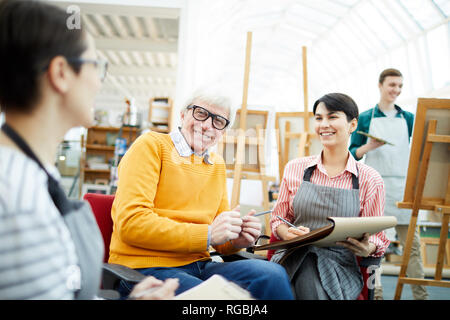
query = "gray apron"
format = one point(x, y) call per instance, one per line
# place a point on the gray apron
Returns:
point(83, 228)
point(338, 274)
point(89, 247)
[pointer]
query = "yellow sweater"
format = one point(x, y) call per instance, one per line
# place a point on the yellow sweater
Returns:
point(164, 204)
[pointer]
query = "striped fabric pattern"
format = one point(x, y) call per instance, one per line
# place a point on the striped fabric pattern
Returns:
point(371, 196)
point(314, 207)
point(37, 255)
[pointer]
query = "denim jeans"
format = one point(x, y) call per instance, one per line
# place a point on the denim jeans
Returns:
point(263, 279)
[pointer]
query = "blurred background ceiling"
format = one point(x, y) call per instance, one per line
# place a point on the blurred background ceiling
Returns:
point(140, 43)
point(168, 48)
point(349, 42)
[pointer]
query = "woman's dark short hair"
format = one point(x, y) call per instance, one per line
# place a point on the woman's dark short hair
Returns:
point(339, 102)
point(391, 72)
point(32, 33)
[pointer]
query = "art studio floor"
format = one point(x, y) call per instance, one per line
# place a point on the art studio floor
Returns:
point(389, 279)
point(389, 283)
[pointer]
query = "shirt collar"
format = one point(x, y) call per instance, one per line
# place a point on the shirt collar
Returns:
point(183, 148)
point(350, 166)
point(379, 113)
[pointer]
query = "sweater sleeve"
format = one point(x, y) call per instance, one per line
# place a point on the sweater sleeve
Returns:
point(135, 218)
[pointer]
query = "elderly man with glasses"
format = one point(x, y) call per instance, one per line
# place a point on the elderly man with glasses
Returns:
point(171, 205)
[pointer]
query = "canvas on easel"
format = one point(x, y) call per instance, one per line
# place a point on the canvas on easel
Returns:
point(428, 181)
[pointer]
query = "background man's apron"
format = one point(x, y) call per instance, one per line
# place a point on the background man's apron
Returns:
point(391, 162)
point(338, 276)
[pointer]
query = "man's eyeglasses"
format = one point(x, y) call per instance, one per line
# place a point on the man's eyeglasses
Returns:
point(201, 114)
point(101, 65)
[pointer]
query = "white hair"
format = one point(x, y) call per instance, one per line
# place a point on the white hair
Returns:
point(215, 98)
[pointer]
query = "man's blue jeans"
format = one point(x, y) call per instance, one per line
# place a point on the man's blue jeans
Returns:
point(263, 279)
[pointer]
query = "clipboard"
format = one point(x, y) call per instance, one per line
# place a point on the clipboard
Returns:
point(373, 137)
point(338, 229)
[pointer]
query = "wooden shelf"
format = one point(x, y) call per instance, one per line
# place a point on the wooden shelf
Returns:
point(113, 129)
point(95, 145)
point(99, 147)
point(160, 107)
point(89, 170)
point(160, 114)
point(160, 122)
point(159, 129)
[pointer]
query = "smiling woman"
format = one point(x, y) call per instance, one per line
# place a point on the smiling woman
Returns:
point(330, 184)
point(336, 117)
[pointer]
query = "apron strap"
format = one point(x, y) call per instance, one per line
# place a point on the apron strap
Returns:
point(56, 192)
point(18, 140)
point(308, 173)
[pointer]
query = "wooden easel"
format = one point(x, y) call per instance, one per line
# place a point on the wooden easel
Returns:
point(241, 141)
point(284, 135)
point(253, 166)
point(235, 195)
point(415, 196)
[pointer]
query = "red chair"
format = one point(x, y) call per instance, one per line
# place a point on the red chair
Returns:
point(101, 207)
point(367, 292)
point(112, 273)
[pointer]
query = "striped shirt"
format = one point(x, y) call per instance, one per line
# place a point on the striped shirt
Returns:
point(37, 254)
point(371, 191)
